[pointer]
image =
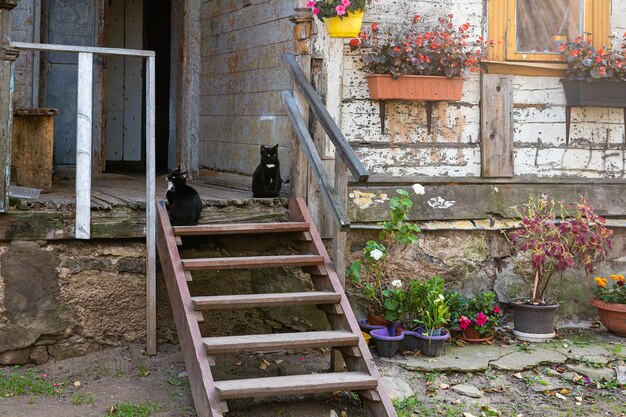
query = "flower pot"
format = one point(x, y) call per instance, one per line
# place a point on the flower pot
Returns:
point(415, 87)
point(367, 338)
point(386, 345)
point(411, 341)
point(366, 327)
point(472, 335)
point(602, 93)
point(533, 323)
point(372, 318)
point(348, 26)
point(612, 316)
point(431, 345)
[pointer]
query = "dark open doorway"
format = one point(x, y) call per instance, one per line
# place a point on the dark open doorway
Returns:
point(158, 34)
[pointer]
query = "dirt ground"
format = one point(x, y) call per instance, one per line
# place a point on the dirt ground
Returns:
point(127, 375)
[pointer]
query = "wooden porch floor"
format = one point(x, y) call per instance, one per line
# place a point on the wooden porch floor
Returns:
point(110, 190)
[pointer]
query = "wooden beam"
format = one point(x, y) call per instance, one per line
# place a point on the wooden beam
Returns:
point(496, 125)
point(83, 145)
point(150, 207)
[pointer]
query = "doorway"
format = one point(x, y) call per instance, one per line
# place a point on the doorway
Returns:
point(136, 24)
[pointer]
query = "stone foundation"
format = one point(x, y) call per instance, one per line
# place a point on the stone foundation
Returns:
point(474, 261)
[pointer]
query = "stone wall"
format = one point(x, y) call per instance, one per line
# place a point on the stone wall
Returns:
point(474, 261)
point(68, 298)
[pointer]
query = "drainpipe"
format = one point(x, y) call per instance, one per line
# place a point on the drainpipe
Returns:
point(7, 59)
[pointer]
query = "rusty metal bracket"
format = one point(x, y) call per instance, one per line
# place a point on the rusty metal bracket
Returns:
point(383, 115)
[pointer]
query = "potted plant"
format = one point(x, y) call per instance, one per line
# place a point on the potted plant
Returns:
point(595, 77)
point(477, 317)
point(610, 300)
point(431, 308)
point(343, 18)
point(369, 275)
point(417, 64)
point(547, 244)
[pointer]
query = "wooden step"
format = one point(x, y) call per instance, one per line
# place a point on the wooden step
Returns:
point(295, 385)
point(289, 341)
point(264, 300)
point(246, 262)
point(240, 228)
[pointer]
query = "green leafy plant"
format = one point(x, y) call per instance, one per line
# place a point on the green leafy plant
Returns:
point(370, 273)
point(14, 383)
point(432, 310)
point(480, 312)
point(584, 62)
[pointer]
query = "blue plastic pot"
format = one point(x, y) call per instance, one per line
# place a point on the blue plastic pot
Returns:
point(386, 345)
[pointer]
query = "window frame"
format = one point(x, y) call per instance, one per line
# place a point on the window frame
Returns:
point(501, 18)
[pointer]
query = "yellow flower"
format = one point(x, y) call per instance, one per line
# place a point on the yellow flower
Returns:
point(614, 277)
point(601, 282)
point(620, 277)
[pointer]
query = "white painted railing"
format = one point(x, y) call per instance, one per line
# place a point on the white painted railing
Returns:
point(83, 156)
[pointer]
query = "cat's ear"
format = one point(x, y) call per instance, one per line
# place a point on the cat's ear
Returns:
point(275, 148)
point(263, 148)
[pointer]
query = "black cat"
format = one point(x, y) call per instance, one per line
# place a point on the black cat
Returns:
point(266, 181)
point(185, 205)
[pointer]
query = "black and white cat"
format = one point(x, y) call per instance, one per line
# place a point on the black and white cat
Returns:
point(266, 181)
point(185, 205)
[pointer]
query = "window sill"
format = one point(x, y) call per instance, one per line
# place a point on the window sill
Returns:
point(536, 69)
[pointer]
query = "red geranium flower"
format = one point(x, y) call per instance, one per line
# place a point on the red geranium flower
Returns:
point(481, 319)
point(464, 322)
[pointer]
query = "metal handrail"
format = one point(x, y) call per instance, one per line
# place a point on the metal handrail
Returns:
point(342, 147)
point(317, 166)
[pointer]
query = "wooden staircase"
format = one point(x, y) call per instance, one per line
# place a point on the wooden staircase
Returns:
point(209, 395)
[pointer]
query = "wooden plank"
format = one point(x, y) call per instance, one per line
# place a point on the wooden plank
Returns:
point(240, 228)
point(264, 300)
point(346, 321)
point(84, 107)
point(32, 150)
point(246, 262)
point(295, 385)
point(288, 341)
point(205, 396)
point(151, 205)
point(496, 106)
point(458, 201)
point(6, 104)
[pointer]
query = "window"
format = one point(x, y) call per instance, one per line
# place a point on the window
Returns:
point(533, 30)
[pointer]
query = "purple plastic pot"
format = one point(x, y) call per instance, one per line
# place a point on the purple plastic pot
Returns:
point(431, 345)
point(411, 340)
point(386, 345)
point(366, 327)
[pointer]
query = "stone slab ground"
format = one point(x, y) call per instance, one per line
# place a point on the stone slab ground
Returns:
point(562, 378)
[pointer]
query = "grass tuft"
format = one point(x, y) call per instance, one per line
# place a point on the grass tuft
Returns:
point(128, 409)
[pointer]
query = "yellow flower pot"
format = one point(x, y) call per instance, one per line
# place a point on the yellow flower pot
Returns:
point(347, 27)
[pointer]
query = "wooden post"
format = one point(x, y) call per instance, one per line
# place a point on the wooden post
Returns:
point(83, 145)
point(301, 37)
point(7, 59)
point(150, 208)
point(496, 125)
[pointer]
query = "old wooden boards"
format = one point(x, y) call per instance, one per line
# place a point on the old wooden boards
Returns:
point(496, 125)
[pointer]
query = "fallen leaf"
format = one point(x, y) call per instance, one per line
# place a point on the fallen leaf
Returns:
point(577, 378)
point(489, 411)
point(278, 361)
point(239, 363)
point(518, 375)
point(579, 399)
point(264, 364)
point(565, 345)
point(465, 414)
point(578, 403)
point(444, 386)
point(560, 397)
point(344, 413)
point(564, 391)
point(77, 384)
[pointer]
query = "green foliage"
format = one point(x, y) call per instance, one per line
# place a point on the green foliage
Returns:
point(613, 292)
point(432, 309)
point(370, 273)
point(128, 409)
point(481, 312)
point(324, 9)
point(30, 382)
point(80, 398)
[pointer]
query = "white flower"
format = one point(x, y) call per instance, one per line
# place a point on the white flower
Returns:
point(440, 299)
point(396, 283)
point(376, 254)
point(418, 189)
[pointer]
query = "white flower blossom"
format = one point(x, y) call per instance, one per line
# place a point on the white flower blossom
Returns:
point(440, 299)
point(396, 283)
point(376, 254)
point(418, 189)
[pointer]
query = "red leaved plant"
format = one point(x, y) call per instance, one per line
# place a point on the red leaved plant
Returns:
point(547, 243)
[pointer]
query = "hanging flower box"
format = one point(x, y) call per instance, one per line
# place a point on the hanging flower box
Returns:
point(601, 93)
point(347, 26)
point(415, 87)
point(343, 18)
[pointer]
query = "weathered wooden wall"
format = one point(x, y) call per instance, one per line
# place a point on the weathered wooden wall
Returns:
point(24, 28)
point(241, 81)
point(597, 141)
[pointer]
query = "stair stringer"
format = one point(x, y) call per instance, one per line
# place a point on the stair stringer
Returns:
point(205, 396)
point(381, 406)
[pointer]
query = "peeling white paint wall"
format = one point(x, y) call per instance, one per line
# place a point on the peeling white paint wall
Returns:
point(597, 140)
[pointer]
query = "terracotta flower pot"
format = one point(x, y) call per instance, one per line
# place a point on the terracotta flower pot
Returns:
point(373, 319)
point(415, 87)
point(348, 26)
point(472, 335)
point(612, 316)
